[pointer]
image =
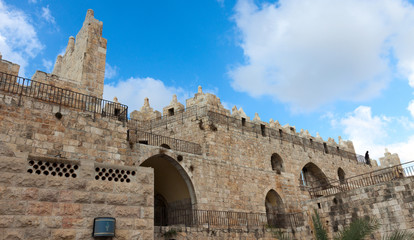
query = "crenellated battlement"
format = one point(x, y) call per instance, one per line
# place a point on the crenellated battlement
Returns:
point(82, 67)
point(208, 105)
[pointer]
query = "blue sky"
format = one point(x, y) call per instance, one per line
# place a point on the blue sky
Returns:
point(337, 67)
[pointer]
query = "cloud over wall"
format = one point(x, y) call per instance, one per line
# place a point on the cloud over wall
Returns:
point(18, 37)
point(312, 52)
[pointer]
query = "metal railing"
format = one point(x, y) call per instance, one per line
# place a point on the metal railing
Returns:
point(163, 141)
point(363, 180)
point(245, 126)
point(63, 97)
point(226, 219)
point(260, 130)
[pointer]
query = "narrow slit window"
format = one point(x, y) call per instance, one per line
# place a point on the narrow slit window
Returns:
point(325, 147)
point(263, 129)
point(243, 122)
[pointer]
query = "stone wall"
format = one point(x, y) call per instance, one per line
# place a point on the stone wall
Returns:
point(82, 67)
point(8, 67)
point(51, 174)
point(234, 172)
point(391, 203)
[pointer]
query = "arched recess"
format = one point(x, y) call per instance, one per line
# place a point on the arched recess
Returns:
point(312, 176)
point(165, 146)
point(275, 209)
point(341, 175)
point(277, 163)
point(173, 190)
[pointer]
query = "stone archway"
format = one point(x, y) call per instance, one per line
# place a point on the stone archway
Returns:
point(312, 176)
point(173, 191)
point(275, 209)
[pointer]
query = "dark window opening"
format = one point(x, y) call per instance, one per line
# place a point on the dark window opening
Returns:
point(319, 205)
point(117, 111)
point(337, 149)
point(143, 142)
point(171, 112)
point(280, 132)
point(263, 129)
point(277, 163)
point(165, 146)
point(243, 122)
point(325, 147)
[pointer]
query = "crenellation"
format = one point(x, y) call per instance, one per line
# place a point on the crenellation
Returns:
point(173, 108)
point(146, 112)
point(61, 165)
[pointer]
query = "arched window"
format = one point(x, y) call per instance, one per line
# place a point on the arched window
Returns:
point(275, 210)
point(277, 163)
point(165, 146)
point(312, 176)
point(341, 175)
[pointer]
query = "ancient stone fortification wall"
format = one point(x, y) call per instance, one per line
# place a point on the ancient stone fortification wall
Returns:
point(8, 67)
point(235, 172)
point(82, 67)
point(51, 170)
point(391, 203)
point(180, 233)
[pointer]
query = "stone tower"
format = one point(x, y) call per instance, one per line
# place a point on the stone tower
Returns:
point(82, 67)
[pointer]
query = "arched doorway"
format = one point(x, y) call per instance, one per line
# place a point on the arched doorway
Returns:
point(341, 175)
point(277, 163)
point(174, 195)
point(275, 209)
point(312, 176)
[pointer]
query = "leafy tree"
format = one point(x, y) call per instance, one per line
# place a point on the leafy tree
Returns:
point(399, 235)
point(359, 229)
point(320, 232)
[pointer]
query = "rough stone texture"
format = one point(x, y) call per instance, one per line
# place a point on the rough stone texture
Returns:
point(8, 67)
point(389, 159)
point(238, 163)
point(39, 206)
point(82, 67)
point(146, 112)
point(391, 203)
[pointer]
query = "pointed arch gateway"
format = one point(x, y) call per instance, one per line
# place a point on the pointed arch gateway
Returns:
point(173, 190)
point(275, 209)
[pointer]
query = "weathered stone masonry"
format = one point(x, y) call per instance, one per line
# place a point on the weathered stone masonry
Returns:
point(204, 171)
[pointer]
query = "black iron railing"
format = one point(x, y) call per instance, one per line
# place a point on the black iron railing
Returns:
point(226, 219)
point(49, 93)
point(260, 130)
point(363, 180)
point(163, 141)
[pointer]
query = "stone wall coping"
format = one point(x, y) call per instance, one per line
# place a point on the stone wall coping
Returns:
point(52, 159)
point(122, 167)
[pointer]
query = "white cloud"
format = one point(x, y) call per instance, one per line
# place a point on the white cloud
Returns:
point(312, 52)
point(48, 65)
point(18, 38)
point(47, 15)
point(110, 71)
point(410, 107)
point(369, 132)
point(32, 1)
point(133, 91)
